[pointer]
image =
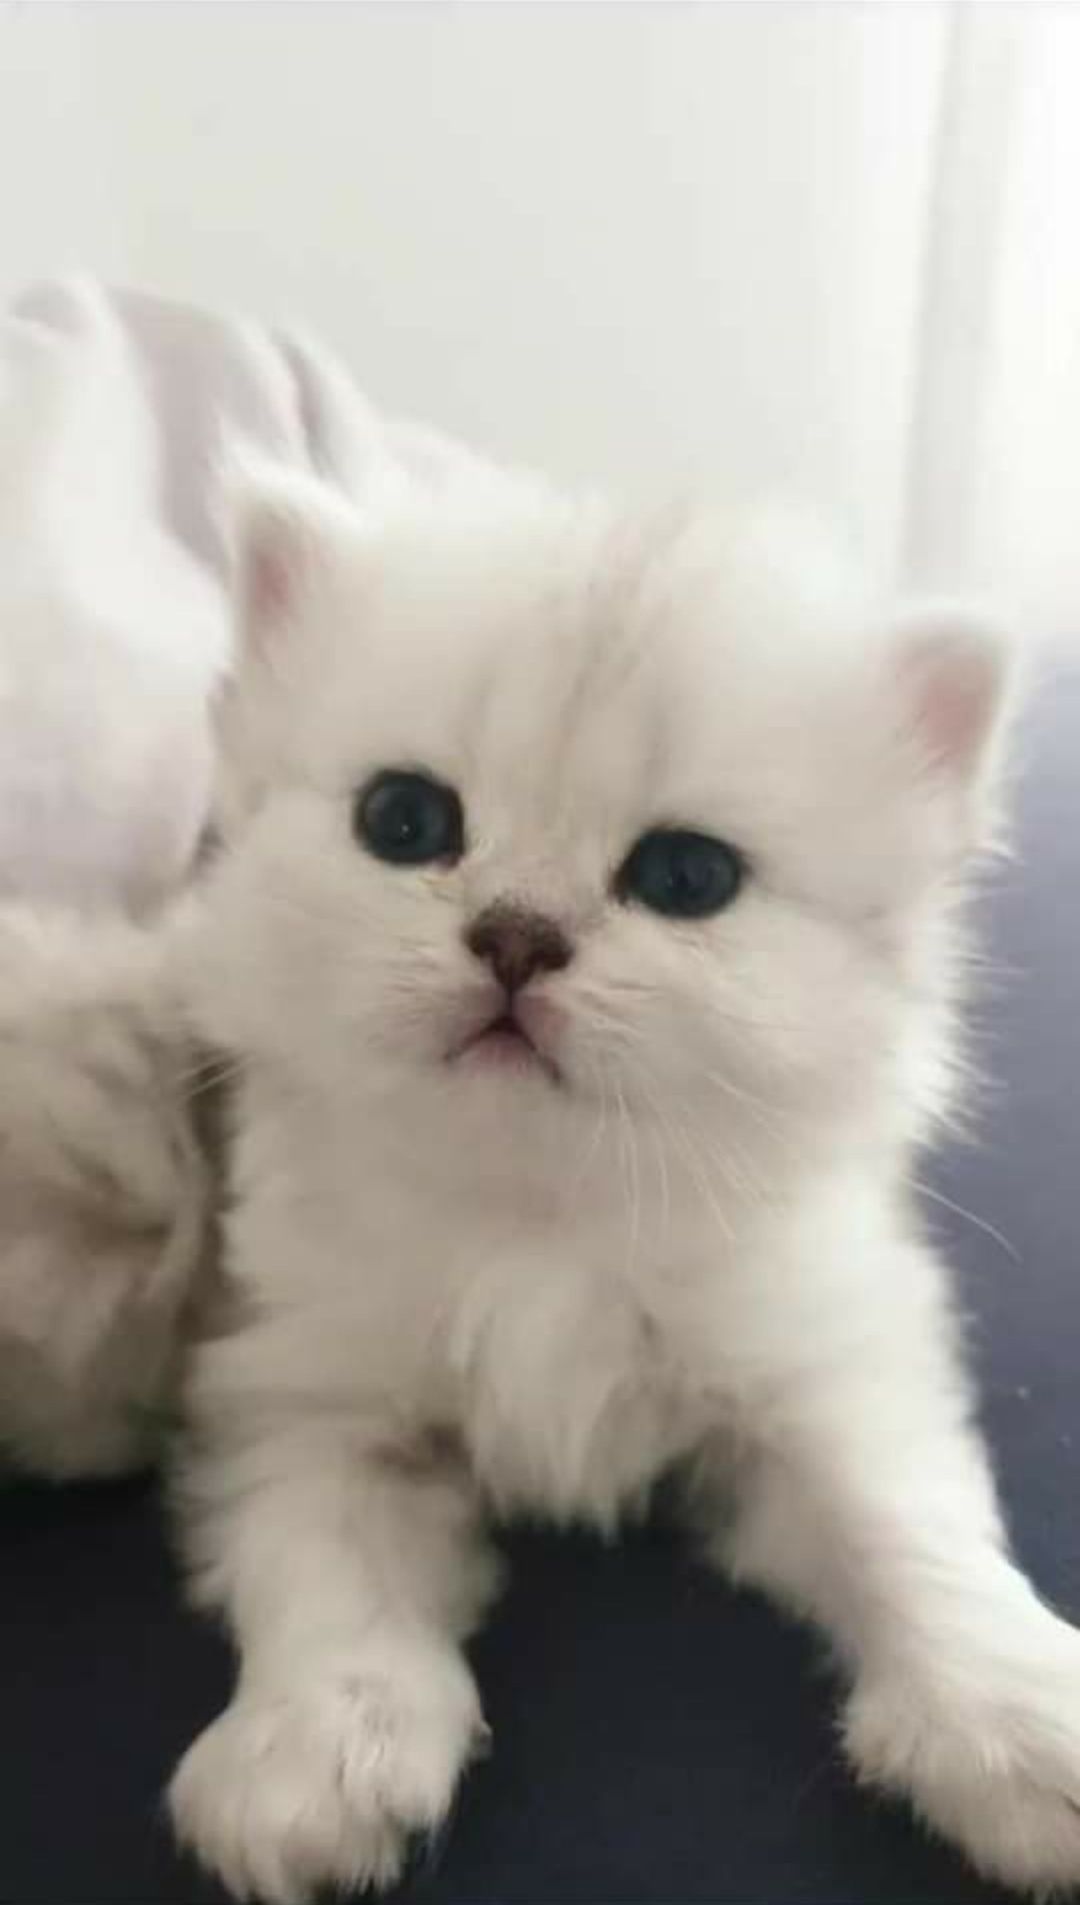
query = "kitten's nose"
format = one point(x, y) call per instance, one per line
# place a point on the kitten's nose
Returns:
point(517, 943)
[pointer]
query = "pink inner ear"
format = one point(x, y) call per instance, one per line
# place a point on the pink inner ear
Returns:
point(954, 678)
point(271, 571)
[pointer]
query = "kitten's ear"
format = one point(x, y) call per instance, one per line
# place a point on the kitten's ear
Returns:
point(289, 537)
point(283, 531)
point(954, 670)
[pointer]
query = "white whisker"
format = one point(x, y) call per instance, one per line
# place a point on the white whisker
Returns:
point(960, 1210)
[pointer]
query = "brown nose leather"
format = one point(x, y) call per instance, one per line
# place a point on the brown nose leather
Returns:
point(516, 944)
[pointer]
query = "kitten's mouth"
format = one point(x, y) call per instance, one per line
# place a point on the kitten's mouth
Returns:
point(503, 1044)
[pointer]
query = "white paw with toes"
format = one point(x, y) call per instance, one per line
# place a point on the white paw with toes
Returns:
point(989, 1754)
point(324, 1782)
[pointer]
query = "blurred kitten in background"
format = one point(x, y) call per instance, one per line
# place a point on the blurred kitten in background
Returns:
point(111, 640)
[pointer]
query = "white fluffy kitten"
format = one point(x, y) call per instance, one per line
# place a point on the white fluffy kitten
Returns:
point(659, 1214)
point(111, 639)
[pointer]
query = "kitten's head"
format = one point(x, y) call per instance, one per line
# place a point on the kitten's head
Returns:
point(543, 824)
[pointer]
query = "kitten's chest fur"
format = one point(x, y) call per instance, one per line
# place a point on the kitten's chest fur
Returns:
point(566, 1390)
point(533, 1334)
point(555, 1338)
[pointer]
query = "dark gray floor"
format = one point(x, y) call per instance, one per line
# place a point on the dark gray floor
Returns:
point(656, 1736)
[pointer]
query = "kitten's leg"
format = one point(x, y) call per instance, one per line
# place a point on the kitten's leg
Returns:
point(349, 1569)
point(865, 1501)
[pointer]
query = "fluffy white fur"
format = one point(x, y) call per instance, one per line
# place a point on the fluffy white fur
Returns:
point(111, 641)
point(466, 1288)
point(104, 1192)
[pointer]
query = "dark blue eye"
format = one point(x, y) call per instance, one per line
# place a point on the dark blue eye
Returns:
point(683, 875)
point(409, 819)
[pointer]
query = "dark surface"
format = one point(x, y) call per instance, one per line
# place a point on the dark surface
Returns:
point(657, 1737)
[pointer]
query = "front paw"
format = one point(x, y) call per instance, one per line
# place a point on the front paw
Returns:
point(324, 1784)
point(987, 1748)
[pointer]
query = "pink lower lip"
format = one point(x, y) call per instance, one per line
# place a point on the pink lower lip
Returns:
point(503, 1045)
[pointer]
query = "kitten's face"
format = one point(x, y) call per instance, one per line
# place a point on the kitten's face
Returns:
point(537, 824)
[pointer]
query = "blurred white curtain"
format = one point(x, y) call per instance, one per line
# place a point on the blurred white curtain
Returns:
point(808, 246)
point(1026, 495)
point(993, 483)
point(59, 205)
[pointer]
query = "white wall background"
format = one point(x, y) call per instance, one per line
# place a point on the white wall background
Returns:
point(760, 246)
